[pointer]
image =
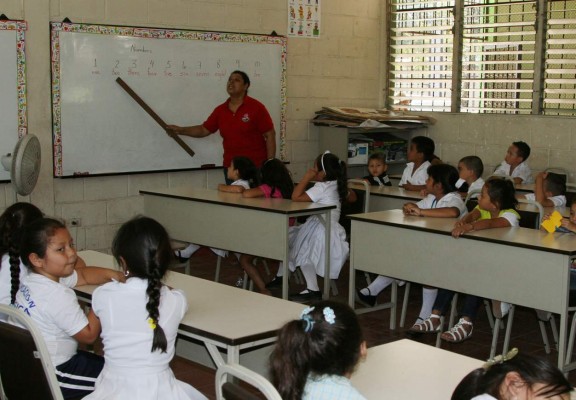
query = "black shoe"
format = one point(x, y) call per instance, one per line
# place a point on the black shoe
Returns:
point(276, 282)
point(308, 296)
point(365, 299)
point(180, 258)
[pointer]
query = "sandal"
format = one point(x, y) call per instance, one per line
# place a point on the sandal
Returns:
point(459, 332)
point(432, 324)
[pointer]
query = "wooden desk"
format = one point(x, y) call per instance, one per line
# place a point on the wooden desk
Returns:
point(505, 264)
point(389, 197)
point(218, 315)
point(410, 370)
point(229, 221)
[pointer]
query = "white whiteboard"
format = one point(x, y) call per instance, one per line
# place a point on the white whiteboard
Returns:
point(181, 75)
point(12, 88)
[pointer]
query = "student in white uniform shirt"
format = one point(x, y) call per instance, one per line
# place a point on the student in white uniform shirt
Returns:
point(470, 170)
point(420, 153)
point(45, 294)
point(514, 376)
point(514, 164)
point(140, 319)
point(549, 190)
point(442, 202)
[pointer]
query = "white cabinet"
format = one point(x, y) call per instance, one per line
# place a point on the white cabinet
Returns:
point(393, 142)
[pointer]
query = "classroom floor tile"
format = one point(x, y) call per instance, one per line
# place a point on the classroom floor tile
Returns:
point(525, 333)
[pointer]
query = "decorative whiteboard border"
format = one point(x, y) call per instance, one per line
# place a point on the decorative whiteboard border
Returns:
point(20, 27)
point(154, 33)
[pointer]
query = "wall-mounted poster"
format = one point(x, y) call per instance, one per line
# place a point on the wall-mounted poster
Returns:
point(304, 18)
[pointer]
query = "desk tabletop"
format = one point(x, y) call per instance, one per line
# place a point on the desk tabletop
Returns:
point(215, 311)
point(391, 191)
point(410, 370)
point(563, 243)
point(281, 206)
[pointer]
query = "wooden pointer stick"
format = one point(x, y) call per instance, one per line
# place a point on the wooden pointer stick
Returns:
point(154, 116)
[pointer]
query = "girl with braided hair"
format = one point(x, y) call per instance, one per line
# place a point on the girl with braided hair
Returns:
point(12, 220)
point(315, 355)
point(45, 294)
point(140, 319)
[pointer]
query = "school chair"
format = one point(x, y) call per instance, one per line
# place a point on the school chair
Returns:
point(26, 371)
point(178, 245)
point(227, 390)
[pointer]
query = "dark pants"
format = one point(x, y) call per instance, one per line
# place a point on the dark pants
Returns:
point(470, 308)
point(77, 376)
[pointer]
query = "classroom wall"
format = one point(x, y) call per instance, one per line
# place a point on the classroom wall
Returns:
point(552, 139)
point(340, 68)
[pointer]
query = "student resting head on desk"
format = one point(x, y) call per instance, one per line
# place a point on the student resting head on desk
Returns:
point(442, 202)
point(514, 376)
point(45, 294)
point(496, 209)
point(276, 182)
point(315, 355)
point(514, 164)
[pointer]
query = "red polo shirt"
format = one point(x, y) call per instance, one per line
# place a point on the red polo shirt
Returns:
point(242, 132)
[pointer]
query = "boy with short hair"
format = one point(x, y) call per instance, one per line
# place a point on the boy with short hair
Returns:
point(420, 153)
point(470, 170)
point(549, 190)
point(514, 164)
point(377, 168)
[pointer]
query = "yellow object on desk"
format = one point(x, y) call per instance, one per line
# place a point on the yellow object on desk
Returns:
point(553, 222)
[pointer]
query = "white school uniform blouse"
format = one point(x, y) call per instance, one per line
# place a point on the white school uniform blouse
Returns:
point(522, 171)
point(131, 369)
point(55, 310)
point(558, 201)
point(449, 200)
point(417, 177)
point(476, 185)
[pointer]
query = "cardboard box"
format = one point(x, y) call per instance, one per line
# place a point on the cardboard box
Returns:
point(358, 153)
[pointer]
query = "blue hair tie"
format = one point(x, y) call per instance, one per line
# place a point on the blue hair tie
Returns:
point(305, 316)
point(309, 323)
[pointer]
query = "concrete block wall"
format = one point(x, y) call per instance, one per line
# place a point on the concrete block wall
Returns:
point(340, 68)
point(552, 139)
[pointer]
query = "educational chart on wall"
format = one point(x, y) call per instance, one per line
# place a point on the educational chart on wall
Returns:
point(13, 121)
point(304, 18)
point(181, 75)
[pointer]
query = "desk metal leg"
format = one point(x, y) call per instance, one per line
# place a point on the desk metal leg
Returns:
point(285, 273)
point(327, 236)
point(352, 283)
point(215, 354)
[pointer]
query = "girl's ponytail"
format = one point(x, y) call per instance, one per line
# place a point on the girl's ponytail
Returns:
point(289, 362)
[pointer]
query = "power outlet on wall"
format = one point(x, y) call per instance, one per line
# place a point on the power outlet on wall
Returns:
point(75, 222)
